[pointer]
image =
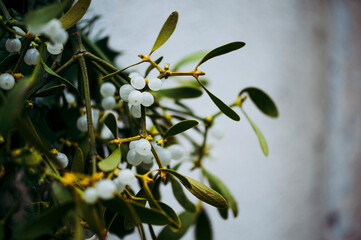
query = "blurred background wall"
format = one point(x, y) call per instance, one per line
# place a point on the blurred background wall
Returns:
point(307, 56)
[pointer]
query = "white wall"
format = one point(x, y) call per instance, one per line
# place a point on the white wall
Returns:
point(291, 54)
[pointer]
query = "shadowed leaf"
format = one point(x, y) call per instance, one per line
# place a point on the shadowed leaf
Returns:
point(50, 91)
point(75, 13)
point(111, 122)
point(166, 31)
point(203, 227)
point(181, 197)
point(78, 161)
point(187, 219)
point(180, 92)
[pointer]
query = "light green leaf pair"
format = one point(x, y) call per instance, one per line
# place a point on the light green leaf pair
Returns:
point(112, 161)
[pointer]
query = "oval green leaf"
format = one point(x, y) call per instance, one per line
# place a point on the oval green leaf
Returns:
point(176, 223)
point(166, 31)
point(261, 138)
point(221, 50)
point(221, 105)
point(151, 66)
point(43, 223)
point(111, 122)
point(206, 194)
point(78, 161)
point(180, 92)
point(43, 15)
point(187, 219)
point(75, 13)
point(180, 127)
point(111, 162)
point(218, 185)
point(189, 59)
point(203, 227)
point(50, 91)
point(181, 197)
point(262, 101)
point(51, 72)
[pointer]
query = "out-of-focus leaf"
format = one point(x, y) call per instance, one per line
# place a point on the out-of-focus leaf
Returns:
point(192, 83)
point(203, 227)
point(187, 219)
point(261, 138)
point(61, 193)
point(92, 216)
point(218, 185)
point(223, 212)
point(221, 105)
point(151, 66)
point(111, 162)
point(180, 92)
point(189, 59)
point(43, 15)
point(166, 31)
point(221, 50)
point(182, 179)
point(181, 197)
point(180, 127)
point(206, 194)
point(111, 122)
point(43, 223)
point(29, 157)
point(75, 13)
point(78, 161)
point(175, 224)
point(51, 91)
point(146, 215)
point(9, 61)
point(51, 72)
point(262, 101)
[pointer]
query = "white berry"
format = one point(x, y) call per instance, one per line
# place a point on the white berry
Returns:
point(54, 48)
point(177, 151)
point(138, 82)
point(7, 81)
point(19, 30)
point(136, 111)
point(148, 99)
point(61, 37)
point(217, 131)
point(120, 186)
point(126, 176)
point(90, 195)
point(106, 189)
point(107, 89)
point(165, 156)
point(70, 98)
point(135, 98)
point(132, 144)
point(143, 147)
point(124, 91)
point(108, 103)
point(149, 158)
point(154, 84)
point(134, 74)
point(62, 161)
point(82, 124)
point(133, 158)
point(13, 45)
point(32, 56)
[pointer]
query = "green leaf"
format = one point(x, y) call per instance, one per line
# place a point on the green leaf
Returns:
point(223, 212)
point(51, 72)
point(189, 59)
point(221, 50)
point(262, 101)
point(180, 127)
point(203, 227)
point(166, 31)
point(261, 139)
point(75, 13)
point(111, 162)
point(78, 161)
point(146, 215)
point(151, 66)
point(206, 194)
point(111, 122)
point(182, 179)
point(51, 91)
point(7, 62)
point(218, 185)
point(181, 197)
point(221, 105)
point(92, 216)
point(180, 92)
point(176, 223)
point(187, 219)
point(43, 15)
point(43, 223)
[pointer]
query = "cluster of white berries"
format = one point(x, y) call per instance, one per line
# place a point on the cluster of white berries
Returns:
point(55, 32)
point(105, 188)
point(140, 153)
point(133, 93)
point(107, 90)
point(7, 81)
